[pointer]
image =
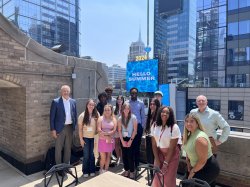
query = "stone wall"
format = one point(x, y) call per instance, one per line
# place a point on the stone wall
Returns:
point(30, 77)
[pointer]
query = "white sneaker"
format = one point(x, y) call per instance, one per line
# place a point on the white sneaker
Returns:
point(92, 174)
point(86, 175)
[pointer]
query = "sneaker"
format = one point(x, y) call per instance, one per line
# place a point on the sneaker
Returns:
point(86, 175)
point(131, 175)
point(92, 174)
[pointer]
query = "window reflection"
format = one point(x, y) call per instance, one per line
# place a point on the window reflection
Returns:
point(236, 110)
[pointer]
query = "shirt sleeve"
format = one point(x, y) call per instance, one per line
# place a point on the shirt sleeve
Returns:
point(176, 132)
point(224, 126)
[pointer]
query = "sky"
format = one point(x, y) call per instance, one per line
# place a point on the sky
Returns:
point(108, 27)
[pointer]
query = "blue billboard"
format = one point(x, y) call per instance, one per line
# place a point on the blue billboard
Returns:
point(166, 94)
point(143, 75)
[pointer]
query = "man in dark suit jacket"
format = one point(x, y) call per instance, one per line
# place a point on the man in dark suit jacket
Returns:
point(63, 119)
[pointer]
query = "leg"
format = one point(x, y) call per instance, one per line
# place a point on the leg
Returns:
point(138, 144)
point(91, 156)
point(59, 146)
point(102, 160)
point(108, 156)
point(125, 158)
point(68, 143)
point(85, 165)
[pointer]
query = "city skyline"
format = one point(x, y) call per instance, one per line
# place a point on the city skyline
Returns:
point(119, 23)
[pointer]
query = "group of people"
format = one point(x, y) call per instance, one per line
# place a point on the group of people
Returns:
point(120, 125)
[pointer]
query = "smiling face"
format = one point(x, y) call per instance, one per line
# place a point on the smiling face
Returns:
point(107, 111)
point(65, 91)
point(164, 115)
point(191, 124)
point(126, 110)
point(152, 106)
point(91, 106)
point(201, 102)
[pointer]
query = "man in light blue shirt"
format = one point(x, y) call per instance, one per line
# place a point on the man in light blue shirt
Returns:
point(138, 109)
point(211, 120)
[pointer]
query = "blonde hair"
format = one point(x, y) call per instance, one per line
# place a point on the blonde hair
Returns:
point(186, 133)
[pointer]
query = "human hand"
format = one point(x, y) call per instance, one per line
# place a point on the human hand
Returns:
point(191, 174)
point(217, 142)
point(53, 134)
point(157, 163)
point(124, 144)
point(129, 143)
point(164, 168)
point(82, 142)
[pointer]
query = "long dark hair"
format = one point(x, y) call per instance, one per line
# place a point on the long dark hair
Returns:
point(171, 119)
point(116, 112)
point(87, 118)
point(152, 117)
point(125, 121)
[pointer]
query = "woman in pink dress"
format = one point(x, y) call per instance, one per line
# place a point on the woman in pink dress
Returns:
point(166, 136)
point(106, 126)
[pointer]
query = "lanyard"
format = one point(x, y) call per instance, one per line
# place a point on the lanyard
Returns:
point(162, 131)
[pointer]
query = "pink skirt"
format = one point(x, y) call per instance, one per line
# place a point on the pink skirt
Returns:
point(105, 147)
point(170, 176)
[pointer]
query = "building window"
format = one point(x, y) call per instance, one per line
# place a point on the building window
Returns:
point(213, 104)
point(236, 110)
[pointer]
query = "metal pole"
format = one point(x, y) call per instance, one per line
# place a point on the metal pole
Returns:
point(147, 27)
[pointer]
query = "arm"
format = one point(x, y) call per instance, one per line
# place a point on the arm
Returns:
point(225, 129)
point(134, 132)
point(80, 129)
point(120, 133)
point(99, 125)
point(188, 163)
point(143, 116)
point(52, 119)
point(155, 151)
point(201, 149)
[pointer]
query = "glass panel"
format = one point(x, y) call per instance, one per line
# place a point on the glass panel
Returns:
point(233, 28)
point(244, 3)
point(233, 4)
point(222, 16)
point(207, 4)
point(236, 110)
point(244, 27)
point(199, 4)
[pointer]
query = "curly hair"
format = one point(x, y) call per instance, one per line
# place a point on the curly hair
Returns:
point(171, 119)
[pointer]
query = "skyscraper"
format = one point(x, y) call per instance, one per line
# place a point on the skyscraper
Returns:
point(174, 42)
point(136, 49)
point(223, 43)
point(49, 22)
point(117, 76)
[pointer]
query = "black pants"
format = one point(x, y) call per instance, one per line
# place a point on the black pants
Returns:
point(149, 152)
point(209, 172)
point(128, 156)
point(137, 143)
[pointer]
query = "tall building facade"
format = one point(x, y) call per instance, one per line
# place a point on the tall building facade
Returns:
point(238, 43)
point(117, 76)
point(223, 43)
point(175, 43)
point(49, 22)
point(136, 49)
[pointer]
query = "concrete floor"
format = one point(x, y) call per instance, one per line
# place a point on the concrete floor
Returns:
point(11, 177)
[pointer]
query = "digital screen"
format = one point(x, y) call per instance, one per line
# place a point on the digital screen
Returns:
point(143, 75)
point(166, 94)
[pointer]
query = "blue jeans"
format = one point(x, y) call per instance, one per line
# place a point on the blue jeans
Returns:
point(88, 163)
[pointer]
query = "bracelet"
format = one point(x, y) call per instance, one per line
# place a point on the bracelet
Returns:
point(131, 139)
point(165, 162)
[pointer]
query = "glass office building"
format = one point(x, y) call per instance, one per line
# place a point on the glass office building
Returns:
point(223, 43)
point(49, 22)
point(238, 43)
point(174, 43)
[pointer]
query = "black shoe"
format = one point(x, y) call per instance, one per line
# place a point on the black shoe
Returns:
point(61, 173)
